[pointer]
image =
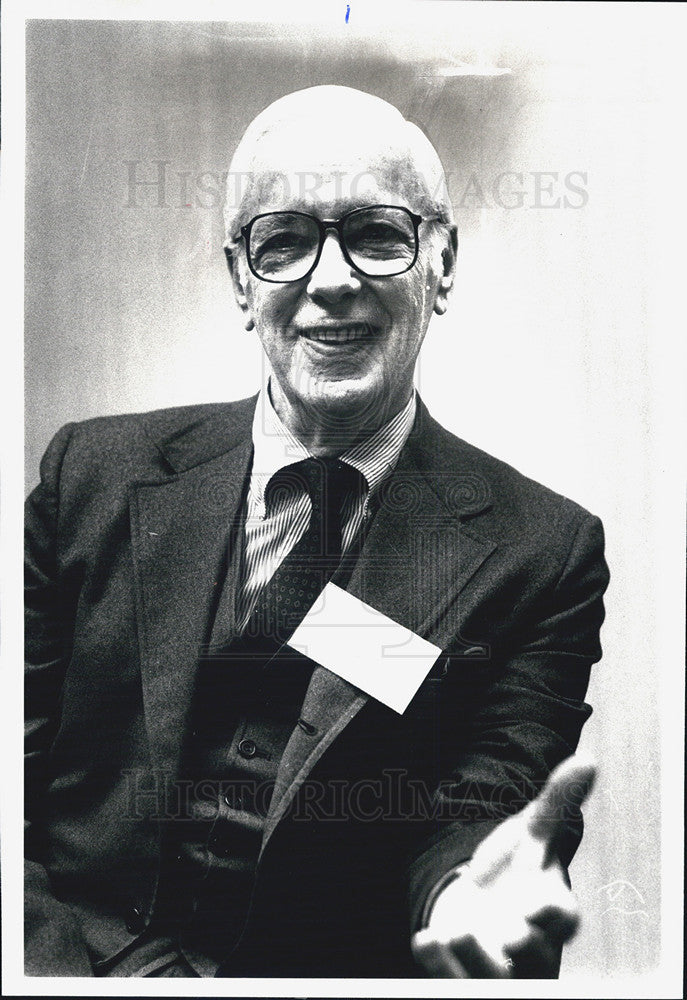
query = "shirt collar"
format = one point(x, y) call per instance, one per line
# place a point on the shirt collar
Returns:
point(274, 447)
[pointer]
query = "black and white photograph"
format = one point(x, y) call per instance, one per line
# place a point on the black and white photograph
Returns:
point(346, 408)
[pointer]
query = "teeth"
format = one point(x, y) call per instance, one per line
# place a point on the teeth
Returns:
point(339, 335)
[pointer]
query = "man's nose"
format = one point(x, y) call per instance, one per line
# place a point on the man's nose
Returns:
point(333, 278)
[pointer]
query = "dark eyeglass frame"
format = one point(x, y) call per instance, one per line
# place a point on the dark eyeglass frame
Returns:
point(323, 225)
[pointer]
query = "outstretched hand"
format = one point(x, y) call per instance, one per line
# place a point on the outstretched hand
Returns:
point(508, 913)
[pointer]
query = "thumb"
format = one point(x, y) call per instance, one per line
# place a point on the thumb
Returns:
point(559, 803)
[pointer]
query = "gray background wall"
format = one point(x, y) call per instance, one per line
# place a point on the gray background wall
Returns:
point(544, 358)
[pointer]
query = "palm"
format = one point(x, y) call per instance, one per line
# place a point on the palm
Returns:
point(512, 908)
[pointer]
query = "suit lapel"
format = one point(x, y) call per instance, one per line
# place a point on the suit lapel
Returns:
point(183, 533)
point(417, 556)
point(415, 561)
point(329, 705)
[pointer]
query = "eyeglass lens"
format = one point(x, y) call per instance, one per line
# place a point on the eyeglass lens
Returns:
point(380, 241)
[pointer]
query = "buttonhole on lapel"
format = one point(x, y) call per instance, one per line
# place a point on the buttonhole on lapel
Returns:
point(307, 727)
point(474, 651)
point(439, 670)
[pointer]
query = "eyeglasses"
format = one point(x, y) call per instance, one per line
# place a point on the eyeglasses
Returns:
point(378, 241)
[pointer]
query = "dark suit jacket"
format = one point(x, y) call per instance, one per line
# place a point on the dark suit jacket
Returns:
point(127, 539)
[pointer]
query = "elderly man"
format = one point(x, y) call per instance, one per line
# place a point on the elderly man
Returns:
point(210, 794)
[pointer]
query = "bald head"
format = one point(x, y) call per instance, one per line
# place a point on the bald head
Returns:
point(312, 139)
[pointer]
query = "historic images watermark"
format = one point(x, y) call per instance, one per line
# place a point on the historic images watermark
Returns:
point(393, 795)
point(159, 183)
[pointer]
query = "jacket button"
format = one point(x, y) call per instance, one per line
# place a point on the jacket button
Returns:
point(247, 748)
point(233, 801)
point(135, 921)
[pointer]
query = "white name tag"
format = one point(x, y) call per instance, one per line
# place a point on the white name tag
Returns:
point(371, 651)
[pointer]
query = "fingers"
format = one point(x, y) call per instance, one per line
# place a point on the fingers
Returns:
point(532, 834)
point(514, 893)
point(478, 962)
point(435, 957)
point(486, 934)
point(529, 955)
point(567, 788)
point(559, 923)
point(462, 957)
point(534, 956)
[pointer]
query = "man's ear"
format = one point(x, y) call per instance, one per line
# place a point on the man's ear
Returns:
point(449, 254)
point(239, 289)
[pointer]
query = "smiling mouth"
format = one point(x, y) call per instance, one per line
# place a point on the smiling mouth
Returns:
point(338, 334)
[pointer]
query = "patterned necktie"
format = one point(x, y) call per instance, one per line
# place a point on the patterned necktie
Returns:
point(304, 573)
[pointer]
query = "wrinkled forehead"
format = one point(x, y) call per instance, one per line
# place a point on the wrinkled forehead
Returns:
point(330, 167)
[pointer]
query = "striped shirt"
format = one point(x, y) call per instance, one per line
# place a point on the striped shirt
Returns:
point(272, 533)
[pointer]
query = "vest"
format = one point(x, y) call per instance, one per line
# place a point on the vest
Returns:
point(245, 709)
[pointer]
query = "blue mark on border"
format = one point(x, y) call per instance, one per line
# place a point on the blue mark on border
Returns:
point(348, 11)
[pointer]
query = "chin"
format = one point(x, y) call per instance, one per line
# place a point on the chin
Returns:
point(358, 401)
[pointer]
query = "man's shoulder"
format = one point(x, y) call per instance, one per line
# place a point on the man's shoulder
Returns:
point(135, 445)
point(489, 492)
point(166, 422)
point(221, 421)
